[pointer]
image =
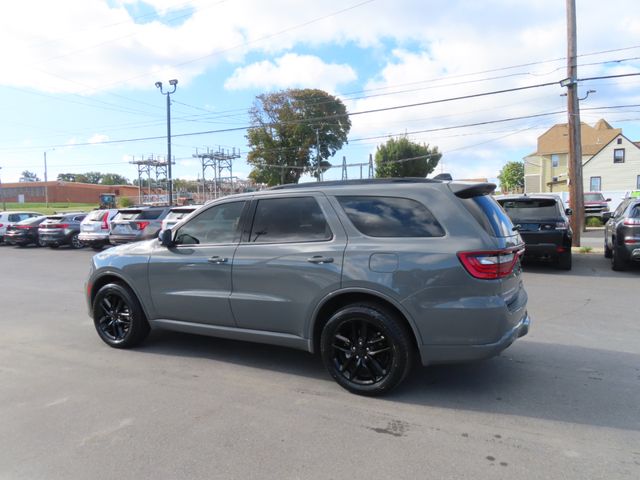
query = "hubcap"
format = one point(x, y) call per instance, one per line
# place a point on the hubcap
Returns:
point(115, 318)
point(361, 353)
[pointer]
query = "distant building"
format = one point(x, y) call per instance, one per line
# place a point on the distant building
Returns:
point(61, 192)
point(610, 161)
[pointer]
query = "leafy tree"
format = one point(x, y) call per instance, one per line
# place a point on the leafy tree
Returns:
point(403, 158)
point(113, 179)
point(66, 177)
point(286, 129)
point(92, 177)
point(28, 176)
point(511, 177)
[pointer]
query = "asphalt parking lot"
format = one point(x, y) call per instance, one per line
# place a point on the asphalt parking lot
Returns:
point(562, 402)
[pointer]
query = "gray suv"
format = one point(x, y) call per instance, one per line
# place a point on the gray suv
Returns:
point(368, 273)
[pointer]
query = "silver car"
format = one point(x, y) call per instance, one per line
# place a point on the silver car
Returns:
point(95, 228)
point(371, 274)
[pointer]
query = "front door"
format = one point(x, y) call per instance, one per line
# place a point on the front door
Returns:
point(191, 281)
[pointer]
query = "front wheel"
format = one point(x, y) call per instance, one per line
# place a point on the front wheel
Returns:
point(564, 261)
point(118, 316)
point(366, 349)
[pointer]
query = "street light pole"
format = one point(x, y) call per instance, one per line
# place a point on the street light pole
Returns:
point(174, 84)
point(4, 205)
point(46, 187)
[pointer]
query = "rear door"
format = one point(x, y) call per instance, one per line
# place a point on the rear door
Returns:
point(289, 259)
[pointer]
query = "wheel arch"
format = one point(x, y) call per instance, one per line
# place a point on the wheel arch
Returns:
point(112, 277)
point(338, 300)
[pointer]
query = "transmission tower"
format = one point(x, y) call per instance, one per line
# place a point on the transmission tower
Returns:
point(156, 165)
point(218, 161)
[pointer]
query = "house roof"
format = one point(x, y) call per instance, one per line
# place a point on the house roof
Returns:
point(556, 139)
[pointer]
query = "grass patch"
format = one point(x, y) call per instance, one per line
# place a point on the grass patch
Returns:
point(585, 249)
point(52, 208)
point(593, 222)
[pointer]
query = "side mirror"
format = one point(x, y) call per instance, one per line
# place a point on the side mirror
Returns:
point(607, 216)
point(568, 211)
point(166, 238)
point(607, 199)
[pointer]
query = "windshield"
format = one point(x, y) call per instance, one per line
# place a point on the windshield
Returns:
point(593, 197)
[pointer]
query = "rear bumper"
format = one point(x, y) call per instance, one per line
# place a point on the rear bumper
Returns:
point(121, 239)
point(55, 238)
point(93, 239)
point(434, 354)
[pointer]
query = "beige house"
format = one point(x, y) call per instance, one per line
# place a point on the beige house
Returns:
point(545, 170)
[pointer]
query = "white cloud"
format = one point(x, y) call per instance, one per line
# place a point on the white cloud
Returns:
point(98, 138)
point(291, 70)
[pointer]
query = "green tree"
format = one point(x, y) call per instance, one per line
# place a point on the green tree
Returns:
point(92, 177)
point(66, 177)
point(400, 157)
point(511, 177)
point(28, 176)
point(286, 129)
point(113, 179)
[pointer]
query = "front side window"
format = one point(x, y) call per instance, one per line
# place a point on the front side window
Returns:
point(595, 184)
point(618, 155)
point(219, 224)
point(390, 217)
point(288, 220)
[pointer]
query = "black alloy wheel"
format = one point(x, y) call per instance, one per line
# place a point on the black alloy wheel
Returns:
point(75, 242)
point(118, 317)
point(366, 349)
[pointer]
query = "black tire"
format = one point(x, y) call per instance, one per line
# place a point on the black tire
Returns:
point(607, 251)
point(118, 316)
point(97, 248)
point(564, 261)
point(53, 245)
point(40, 243)
point(381, 344)
point(74, 242)
point(617, 263)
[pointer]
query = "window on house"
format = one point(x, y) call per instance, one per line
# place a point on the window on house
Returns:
point(618, 155)
point(555, 160)
point(595, 184)
point(638, 182)
point(619, 141)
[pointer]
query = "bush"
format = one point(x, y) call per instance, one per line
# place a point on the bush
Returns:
point(593, 222)
point(125, 202)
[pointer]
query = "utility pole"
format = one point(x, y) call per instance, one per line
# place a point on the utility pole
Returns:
point(4, 205)
point(174, 84)
point(574, 162)
point(46, 187)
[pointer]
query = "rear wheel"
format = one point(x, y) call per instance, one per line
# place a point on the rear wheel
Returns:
point(366, 349)
point(118, 316)
point(607, 251)
point(564, 261)
point(617, 262)
point(75, 242)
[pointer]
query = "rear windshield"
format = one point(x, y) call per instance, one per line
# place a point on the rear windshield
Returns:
point(177, 214)
point(32, 221)
point(531, 208)
point(53, 219)
point(96, 215)
point(150, 214)
point(489, 215)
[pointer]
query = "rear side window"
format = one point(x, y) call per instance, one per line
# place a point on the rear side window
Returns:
point(288, 220)
point(390, 217)
point(489, 215)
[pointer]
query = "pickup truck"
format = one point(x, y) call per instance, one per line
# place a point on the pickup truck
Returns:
point(595, 205)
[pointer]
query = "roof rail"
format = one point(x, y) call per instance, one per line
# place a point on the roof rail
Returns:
point(364, 181)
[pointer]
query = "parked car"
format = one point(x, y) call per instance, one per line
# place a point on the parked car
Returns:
point(595, 205)
point(95, 228)
point(543, 223)
point(176, 214)
point(25, 232)
point(622, 234)
point(369, 273)
point(9, 217)
point(61, 229)
point(137, 223)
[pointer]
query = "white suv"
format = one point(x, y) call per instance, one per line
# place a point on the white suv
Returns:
point(11, 217)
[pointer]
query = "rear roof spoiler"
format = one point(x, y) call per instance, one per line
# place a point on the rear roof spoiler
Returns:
point(469, 190)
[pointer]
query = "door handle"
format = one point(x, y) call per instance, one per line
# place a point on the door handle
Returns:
point(217, 260)
point(319, 259)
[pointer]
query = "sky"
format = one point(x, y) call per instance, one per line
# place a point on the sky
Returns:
point(77, 77)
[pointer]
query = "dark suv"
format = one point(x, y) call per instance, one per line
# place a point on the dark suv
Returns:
point(136, 223)
point(544, 226)
point(62, 229)
point(368, 273)
point(622, 234)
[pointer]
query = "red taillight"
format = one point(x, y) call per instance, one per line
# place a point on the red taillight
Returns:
point(1, 225)
point(105, 223)
point(59, 225)
point(141, 225)
point(490, 265)
point(23, 227)
point(627, 221)
point(631, 241)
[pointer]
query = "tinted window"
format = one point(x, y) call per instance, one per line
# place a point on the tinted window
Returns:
point(390, 217)
point(218, 224)
point(96, 215)
point(297, 219)
point(634, 211)
point(151, 214)
point(529, 209)
point(593, 197)
point(489, 215)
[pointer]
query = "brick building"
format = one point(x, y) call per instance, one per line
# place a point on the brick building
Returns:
point(62, 192)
